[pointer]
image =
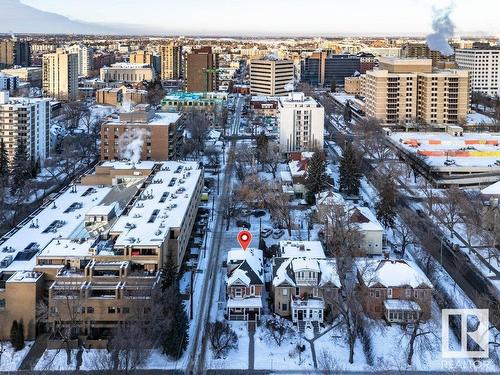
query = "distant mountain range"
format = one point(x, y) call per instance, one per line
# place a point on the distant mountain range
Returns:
point(20, 18)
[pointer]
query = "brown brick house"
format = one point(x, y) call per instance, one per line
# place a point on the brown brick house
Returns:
point(396, 290)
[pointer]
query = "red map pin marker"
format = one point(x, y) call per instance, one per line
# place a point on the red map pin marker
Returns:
point(244, 238)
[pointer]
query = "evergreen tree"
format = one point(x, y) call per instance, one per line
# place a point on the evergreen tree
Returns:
point(386, 206)
point(350, 171)
point(4, 160)
point(175, 336)
point(347, 113)
point(262, 143)
point(333, 86)
point(316, 175)
point(168, 274)
point(20, 167)
point(13, 333)
point(20, 336)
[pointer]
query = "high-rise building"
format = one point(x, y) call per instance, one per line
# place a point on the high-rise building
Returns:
point(202, 70)
point(171, 61)
point(410, 90)
point(31, 75)
point(141, 57)
point(301, 123)
point(14, 52)
point(420, 50)
point(269, 77)
point(321, 69)
point(8, 82)
point(60, 75)
point(160, 132)
point(484, 67)
point(26, 119)
point(312, 69)
point(85, 58)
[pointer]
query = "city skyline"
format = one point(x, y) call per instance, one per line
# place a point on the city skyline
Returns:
point(408, 18)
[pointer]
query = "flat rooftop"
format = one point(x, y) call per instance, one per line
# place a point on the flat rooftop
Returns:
point(294, 249)
point(159, 118)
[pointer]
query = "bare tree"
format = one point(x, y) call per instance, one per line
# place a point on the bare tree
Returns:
point(244, 161)
point(372, 138)
point(472, 215)
point(278, 329)
point(403, 228)
point(222, 338)
point(279, 204)
point(197, 125)
point(419, 337)
point(271, 158)
point(255, 192)
point(73, 113)
point(449, 210)
point(430, 196)
point(327, 364)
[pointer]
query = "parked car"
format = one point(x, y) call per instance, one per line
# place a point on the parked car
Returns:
point(246, 212)
point(277, 233)
point(259, 213)
point(266, 232)
point(243, 224)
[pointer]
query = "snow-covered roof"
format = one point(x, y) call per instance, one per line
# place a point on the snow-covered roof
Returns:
point(161, 206)
point(238, 274)
point(401, 304)
point(250, 302)
point(391, 273)
point(329, 274)
point(301, 264)
point(102, 210)
point(371, 223)
point(293, 249)
point(284, 270)
point(330, 198)
point(67, 248)
point(249, 267)
point(493, 189)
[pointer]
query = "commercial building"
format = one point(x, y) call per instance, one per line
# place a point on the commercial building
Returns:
point(271, 77)
point(31, 75)
point(26, 119)
point(60, 75)
point(182, 101)
point(484, 68)
point(202, 70)
point(127, 73)
point(121, 96)
point(171, 61)
point(301, 123)
point(157, 134)
point(85, 58)
point(420, 50)
point(264, 105)
point(410, 91)
point(8, 82)
point(352, 85)
point(94, 251)
point(14, 52)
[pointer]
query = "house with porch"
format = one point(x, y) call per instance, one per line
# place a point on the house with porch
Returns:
point(244, 284)
point(304, 283)
point(394, 289)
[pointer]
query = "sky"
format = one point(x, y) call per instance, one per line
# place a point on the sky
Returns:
point(281, 17)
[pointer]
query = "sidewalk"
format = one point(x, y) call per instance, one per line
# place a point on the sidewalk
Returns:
point(29, 362)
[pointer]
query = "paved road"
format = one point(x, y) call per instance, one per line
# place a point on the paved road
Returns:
point(196, 359)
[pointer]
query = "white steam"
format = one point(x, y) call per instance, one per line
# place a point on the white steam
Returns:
point(443, 30)
point(130, 144)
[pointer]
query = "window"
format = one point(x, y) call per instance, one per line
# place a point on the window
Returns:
point(284, 307)
point(389, 293)
point(408, 293)
point(285, 292)
point(237, 292)
point(297, 291)
point(377, 293)
point(90, 310)
point(252, 289)
point(2, 304)
point(111, 310)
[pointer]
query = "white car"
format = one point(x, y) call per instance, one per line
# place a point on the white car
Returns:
point(277, 233)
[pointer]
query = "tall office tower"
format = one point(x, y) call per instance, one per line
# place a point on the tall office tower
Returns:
point(85, 58)
point(269, 77)
point(171, 61)
point(484, 67)
point(301, 123)
point(14, 52)
point(26, 119)
point(201, 70)
point(141, 57)
point(321, 69)
point(420, 50)
point(60, 75)
point(410, 90)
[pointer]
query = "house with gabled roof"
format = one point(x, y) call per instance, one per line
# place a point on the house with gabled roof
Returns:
point(244, 284)
point(304, 281)
point(394, 289)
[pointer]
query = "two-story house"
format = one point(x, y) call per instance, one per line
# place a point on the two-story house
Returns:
point(304, 281)
point(244, 284)
point(396, 290)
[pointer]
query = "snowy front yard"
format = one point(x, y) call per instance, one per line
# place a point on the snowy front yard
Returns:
point(10, 360)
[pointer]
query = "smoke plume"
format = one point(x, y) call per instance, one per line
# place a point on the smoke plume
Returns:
point(130, 144)
point(443, 30)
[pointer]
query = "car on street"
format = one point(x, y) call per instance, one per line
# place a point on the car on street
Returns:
point(259, 213)
point(277, 233)
point(266, 232)
point(243, 224)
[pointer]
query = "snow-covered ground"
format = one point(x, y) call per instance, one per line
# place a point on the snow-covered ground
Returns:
point(236, 359)
point(10, 360)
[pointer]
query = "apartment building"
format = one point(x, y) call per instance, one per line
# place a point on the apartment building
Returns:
point(484, 68)
point(182, 101)
point(127, 73)
point(60, 75)
point(270, 77)
point(120, 96)
point(304, 282)
point(92, 254)
point(26, 119)
point(171, 61)
point(202, 70)
point(31, 75)
point(14, 52)
point(301, 123)
point(420, 50)
point(158, 133)
point(352, 85)
point(141, 57)
point(85, 58)
point(8, 82)
point(411, 91)
point(395, 289)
